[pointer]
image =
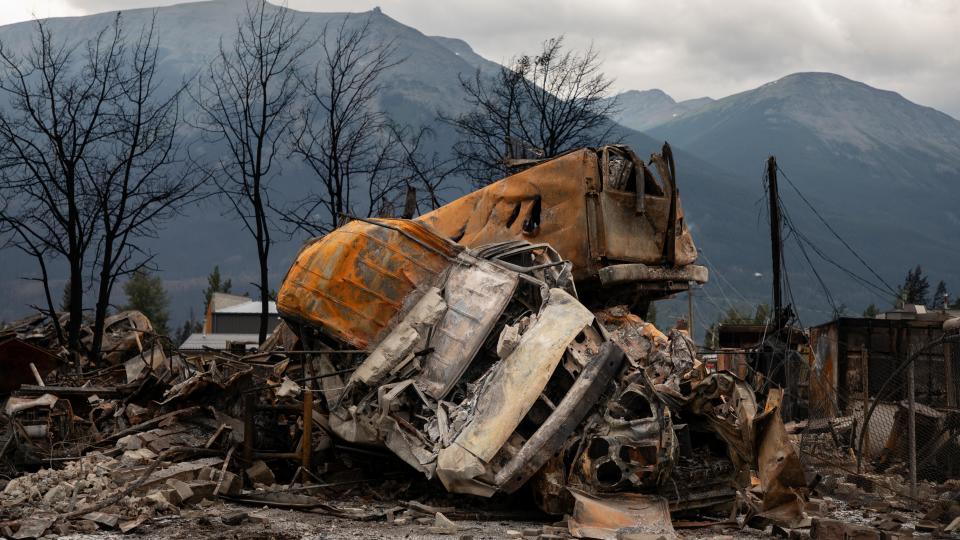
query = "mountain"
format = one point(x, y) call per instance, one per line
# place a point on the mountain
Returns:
point(645, 109)
point(882, 170)
point(462, 49)
point(189, 35)
point(426, 82)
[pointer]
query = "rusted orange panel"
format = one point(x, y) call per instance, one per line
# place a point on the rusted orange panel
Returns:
point(823, 369)
point(588, 223)
point(497, 212)
point(353, 282)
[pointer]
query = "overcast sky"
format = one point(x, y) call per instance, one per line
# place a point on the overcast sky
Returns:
point(688, 48)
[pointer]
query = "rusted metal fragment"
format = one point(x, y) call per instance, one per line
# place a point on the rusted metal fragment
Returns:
point(633, 446)
point(729, 406)
point(402, 340)
point(148, 362)
point(122, 335)
point(664, 359)
point(605, 517)
point(568, 415)
point(354, 282)
point(476, 294)
point(621, 274)
point(781, 475)
point(509, 391)
point(399, 435)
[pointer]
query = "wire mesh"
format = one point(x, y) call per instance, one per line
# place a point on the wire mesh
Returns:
point(863, 421)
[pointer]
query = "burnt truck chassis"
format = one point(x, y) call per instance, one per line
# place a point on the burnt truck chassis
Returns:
point(484, 369)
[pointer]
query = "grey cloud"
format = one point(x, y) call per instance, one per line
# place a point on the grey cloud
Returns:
point(701, 47)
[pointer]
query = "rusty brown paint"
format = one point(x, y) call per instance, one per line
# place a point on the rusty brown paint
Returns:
point(596, 516)
point(353, 282)
point(587, 223)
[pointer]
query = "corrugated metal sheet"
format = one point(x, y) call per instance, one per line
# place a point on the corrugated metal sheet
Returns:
point(353, 282)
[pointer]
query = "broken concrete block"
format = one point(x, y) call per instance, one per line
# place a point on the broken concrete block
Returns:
point(260, 473)
point(442, 525)
point(207, 473)
point(33, 528)
point(184, 471)
point(234, 518)
point(184, 491)
point(230, 484)
point(511, 533)
point(141, 456)
point(129, 525)
point(158, 499)
point(103, 519)
point(202, 489)
point(130, 442)
point(954, 525)
point(56, 494)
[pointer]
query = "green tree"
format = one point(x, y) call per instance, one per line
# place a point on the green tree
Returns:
point(189, 327)
point(145, 293)
point(915, 288)
point(65, 298)
point(872, 311)
point(937, 301)
point(215, 284)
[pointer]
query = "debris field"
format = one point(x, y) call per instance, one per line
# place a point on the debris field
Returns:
point(482, 371)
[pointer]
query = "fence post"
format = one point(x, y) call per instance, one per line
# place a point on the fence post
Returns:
point(912, 431)
point(865, 371)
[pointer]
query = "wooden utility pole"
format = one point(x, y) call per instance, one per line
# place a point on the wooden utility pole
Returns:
point(775, 240)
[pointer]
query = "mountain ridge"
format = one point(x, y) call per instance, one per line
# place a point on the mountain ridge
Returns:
point(719, 164)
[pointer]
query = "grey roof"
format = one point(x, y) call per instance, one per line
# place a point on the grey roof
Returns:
point(221, 300)
point(250, 306)
point(200, 341)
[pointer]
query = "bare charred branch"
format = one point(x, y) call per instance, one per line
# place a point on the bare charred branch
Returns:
point(246, 101)
point(539, 106)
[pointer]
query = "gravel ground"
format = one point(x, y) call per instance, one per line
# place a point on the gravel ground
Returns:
point(273, 524)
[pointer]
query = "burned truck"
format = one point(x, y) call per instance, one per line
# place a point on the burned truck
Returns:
point(497, 342)
point(616, 218)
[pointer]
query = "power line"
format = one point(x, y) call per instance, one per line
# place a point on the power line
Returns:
point(834, 232)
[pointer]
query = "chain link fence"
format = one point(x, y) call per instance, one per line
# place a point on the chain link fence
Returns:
point(881, 404)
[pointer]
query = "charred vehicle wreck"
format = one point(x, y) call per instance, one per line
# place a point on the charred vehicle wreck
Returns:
point(499, 342)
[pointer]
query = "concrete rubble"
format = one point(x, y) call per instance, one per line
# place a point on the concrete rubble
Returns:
point(493, 350)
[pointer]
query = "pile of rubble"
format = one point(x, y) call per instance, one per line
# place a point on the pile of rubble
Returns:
point(492, 347)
